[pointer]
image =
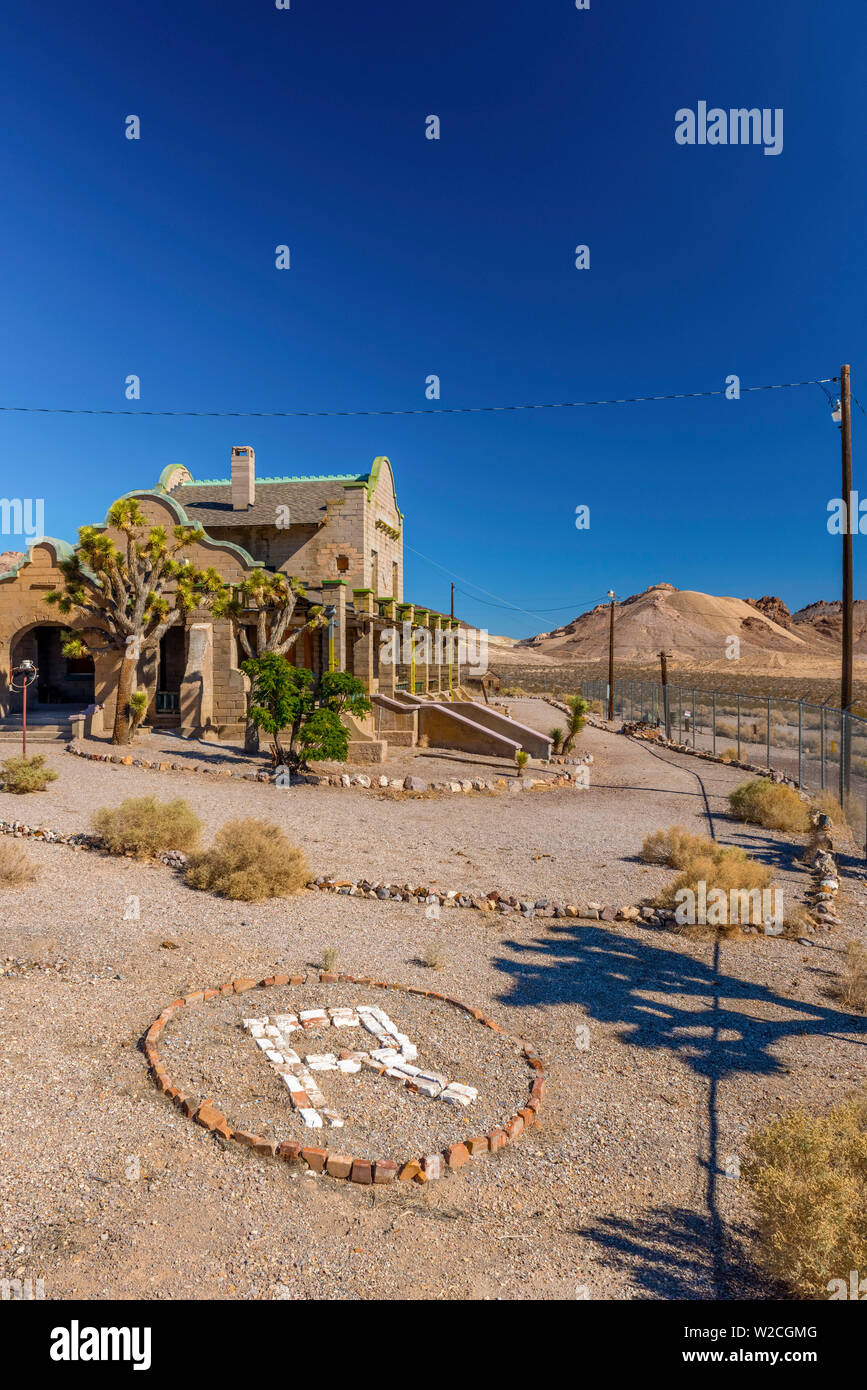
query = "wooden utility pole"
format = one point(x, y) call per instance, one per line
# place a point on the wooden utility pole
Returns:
point(611, 658)
point(663, 664)
point(846, 691)
point(453, 600)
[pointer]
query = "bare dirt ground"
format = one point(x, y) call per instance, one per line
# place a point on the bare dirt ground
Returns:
point(107, 1190)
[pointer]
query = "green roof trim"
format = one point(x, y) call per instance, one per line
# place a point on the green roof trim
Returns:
point(183, 520)
point(371, 480)
point(166, 475)
point(352, 478)
point(62, 551)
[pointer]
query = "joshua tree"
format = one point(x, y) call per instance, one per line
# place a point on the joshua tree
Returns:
point(521, 758)
point(269, 599)
point(556, 736)
point(128, 598)
point(578, 708)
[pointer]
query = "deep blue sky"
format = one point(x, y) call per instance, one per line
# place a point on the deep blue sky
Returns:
point(455, 257)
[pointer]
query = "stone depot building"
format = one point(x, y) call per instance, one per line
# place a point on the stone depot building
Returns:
point(341, 535)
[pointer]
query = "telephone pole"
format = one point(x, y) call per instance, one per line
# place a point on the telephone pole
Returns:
point(663, 663)
point(453, 600)
point(846, 692)
point(611, 657)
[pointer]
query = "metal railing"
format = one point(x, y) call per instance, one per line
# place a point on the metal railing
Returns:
point(819, 748)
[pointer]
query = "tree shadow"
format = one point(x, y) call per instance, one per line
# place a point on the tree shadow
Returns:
point(667, 999)
point(668, 1253)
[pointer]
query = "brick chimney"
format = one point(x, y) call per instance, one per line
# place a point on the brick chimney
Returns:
point(243, 477)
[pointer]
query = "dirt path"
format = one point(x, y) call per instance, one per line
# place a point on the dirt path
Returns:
point(662, 1053)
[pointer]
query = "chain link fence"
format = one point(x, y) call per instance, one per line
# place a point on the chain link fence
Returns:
point(820, 748)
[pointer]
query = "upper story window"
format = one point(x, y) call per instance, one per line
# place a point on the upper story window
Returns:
point(343, 562)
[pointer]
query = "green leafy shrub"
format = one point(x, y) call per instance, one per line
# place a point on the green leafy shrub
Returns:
point(143, 826)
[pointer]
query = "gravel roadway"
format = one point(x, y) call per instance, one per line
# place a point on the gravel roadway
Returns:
point(661, 1052)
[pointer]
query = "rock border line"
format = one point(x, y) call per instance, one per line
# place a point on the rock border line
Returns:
point(347, 1167)
point(494, 901)
point(359, 780)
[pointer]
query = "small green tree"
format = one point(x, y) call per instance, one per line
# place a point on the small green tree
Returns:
point(265, 603)
point(128, 598)
point(323, 738)
point(284, 696)
point(578, 708)
point(556, 736)
point(281, 695)
point(343, 693)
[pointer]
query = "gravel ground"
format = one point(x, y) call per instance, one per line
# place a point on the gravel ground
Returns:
point(207, 1052)
point(661, 1053)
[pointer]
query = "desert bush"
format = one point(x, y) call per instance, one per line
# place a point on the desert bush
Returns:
point(728, 755)
point(330, 957)
point(674, 847)
point(852, 987)
point(249, 860)
point(15, 867)
point(142, 826)
point(521, 757)
point(726, 869)
point(26, 774)
point(808, 1176)
point(770, 805)
point(432, 955)
point(701, 860)
point(556, 736)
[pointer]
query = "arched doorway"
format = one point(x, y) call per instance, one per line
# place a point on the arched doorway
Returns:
point(62, 680)
point(170, 674)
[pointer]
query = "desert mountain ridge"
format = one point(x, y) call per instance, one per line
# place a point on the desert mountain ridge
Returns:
point(697, 628)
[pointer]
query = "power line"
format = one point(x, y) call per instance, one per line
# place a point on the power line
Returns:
point(582, 604)
point(439, 410)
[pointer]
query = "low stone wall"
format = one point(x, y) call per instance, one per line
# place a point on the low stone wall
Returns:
point(421, 1169)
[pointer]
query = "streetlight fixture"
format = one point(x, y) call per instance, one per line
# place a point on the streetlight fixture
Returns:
point(25, 672)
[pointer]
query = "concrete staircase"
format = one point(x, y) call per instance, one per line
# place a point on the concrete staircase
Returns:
point(43, 726)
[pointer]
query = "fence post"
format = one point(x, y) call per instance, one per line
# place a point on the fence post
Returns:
point(680, 714)
point(714, 724)
point(800, 744)
point(739, 728)
point(694, 716)
point(822, 744)
point(769, 733)
point(842, 761)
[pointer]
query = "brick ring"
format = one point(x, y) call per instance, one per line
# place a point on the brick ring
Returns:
point(358, 1170)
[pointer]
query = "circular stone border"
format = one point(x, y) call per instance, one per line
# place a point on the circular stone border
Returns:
point(365, 1171)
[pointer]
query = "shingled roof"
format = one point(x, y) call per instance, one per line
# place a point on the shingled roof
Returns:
point(211, 503)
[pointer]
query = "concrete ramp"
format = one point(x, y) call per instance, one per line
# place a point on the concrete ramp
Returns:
point(446, 728)
point(536, 744)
